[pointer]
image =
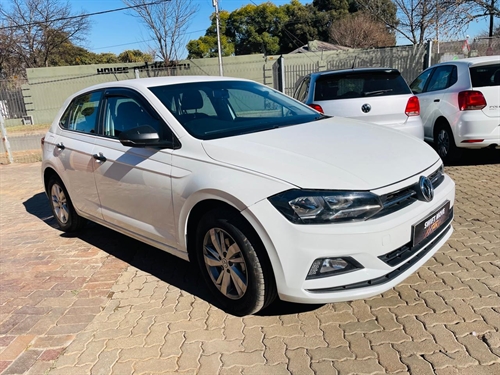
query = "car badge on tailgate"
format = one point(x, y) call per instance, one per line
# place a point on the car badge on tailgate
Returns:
point(366, 108)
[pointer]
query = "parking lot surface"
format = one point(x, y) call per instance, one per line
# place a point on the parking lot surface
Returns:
point(101, 303)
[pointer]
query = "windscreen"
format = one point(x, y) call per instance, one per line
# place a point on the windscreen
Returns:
point(210, 110)
point(359, 84)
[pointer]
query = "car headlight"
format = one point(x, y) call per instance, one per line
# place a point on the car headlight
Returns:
point(321, 206)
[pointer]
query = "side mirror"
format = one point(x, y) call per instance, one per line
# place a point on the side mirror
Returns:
point(141, 136)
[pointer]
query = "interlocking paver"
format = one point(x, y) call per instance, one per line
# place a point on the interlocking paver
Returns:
point(299, 362)
point(101, 303)
point(389, 358)
point(365, 366)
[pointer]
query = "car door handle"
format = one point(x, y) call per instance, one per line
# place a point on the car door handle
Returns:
point(60, 146)
point(100, 157)
point(437, 100)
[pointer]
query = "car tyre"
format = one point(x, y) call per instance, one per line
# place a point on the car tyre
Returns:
point(62, 207)
point(445, 143)
point(233, 263)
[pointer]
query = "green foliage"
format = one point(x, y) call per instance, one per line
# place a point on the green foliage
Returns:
point(206, 46)
point(256, 28)
point(271, 29)
point(134, 55)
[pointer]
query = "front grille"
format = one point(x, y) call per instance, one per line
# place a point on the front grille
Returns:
point(391, 275)
point(402, 198)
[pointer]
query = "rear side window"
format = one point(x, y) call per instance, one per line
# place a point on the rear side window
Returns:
point(485, 75)
point(442, 78)
point(359, 85)
point(81, 114)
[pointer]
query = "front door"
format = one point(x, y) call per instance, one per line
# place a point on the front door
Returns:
point(134, 184)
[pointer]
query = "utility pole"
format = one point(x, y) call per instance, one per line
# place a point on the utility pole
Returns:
point(219, 48)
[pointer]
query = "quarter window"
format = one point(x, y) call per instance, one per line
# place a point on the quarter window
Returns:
point(418, 85)
point(302, 90)
point(82, 113)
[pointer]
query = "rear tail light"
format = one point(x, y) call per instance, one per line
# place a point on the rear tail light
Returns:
point(316, 107)
point(471, 100)
point(412, 107)
point(42, 141)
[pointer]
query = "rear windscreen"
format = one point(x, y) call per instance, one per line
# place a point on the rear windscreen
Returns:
point(359, 85)
point(485, 75)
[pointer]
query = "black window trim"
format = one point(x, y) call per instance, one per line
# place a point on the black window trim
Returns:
point(434, 69)
point(125, 92)
point(98, 117)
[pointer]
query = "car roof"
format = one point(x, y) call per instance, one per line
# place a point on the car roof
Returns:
point(473, 61)
point(144, 83)
point(354, 70)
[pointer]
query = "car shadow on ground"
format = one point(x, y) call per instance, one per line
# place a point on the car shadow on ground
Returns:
point(166, 267)
point(476, 157)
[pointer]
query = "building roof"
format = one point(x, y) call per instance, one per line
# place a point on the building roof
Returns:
point(318, 46)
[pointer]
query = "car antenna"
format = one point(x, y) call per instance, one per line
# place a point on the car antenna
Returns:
point(353, 62)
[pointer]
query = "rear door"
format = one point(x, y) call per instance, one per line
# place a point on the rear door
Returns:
point(72, 146)
point(377, 96)
point(429, 87)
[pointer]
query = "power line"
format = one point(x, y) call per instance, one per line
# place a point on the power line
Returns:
point(144, 41)
point(83, 15)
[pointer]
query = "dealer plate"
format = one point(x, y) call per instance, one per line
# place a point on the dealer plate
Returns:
point(431, 223)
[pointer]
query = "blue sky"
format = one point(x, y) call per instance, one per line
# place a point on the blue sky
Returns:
point(118, 31)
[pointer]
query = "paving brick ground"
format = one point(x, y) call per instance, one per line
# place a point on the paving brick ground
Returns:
point(101, 303)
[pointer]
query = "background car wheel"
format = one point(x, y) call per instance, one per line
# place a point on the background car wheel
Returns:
point(445, 143)
point(233, 263)
point(62, 208)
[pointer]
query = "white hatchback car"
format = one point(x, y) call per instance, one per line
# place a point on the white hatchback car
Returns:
point(460, 104)
point(377, 95)
point(266, 195)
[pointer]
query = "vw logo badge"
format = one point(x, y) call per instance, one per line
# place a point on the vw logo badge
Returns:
point(426, 189)
point(366, 108)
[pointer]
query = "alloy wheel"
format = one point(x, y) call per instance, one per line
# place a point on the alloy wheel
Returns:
point(225, 263)
point(59, 203)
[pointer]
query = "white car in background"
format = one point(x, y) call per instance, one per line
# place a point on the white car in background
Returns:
point(377, 95)
point(460, 104)
point(269, 197)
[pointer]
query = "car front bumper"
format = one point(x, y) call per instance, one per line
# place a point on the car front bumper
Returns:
point(293, 248)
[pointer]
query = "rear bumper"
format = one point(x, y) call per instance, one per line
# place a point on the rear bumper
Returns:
point(475, 126)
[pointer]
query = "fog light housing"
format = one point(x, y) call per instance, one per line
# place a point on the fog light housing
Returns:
point(324, 267)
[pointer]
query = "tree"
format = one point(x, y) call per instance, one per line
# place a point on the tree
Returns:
point(134, 55)
point(206, 46)
point(39, 27)
point(256, 28)
point(305, 23)
point(417, 21)
point(167, 22)
point(359, 30)
point(474, 9)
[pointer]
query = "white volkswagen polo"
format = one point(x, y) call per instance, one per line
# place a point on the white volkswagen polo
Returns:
point(268, 197)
